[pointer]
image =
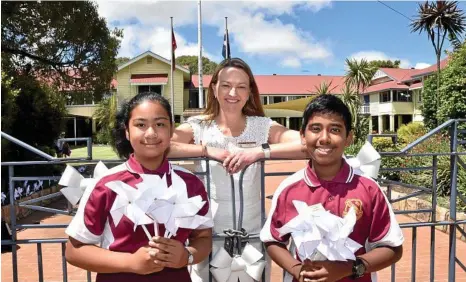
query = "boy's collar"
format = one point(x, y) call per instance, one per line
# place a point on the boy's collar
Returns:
point(344, 175)
point(135, 167)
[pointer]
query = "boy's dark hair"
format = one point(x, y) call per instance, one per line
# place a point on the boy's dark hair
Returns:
point(327, 104)
point(122, 146)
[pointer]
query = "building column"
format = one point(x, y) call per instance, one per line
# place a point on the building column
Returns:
point(392, 123)
point(287, 123)
point(400, 121)
point(94, 125)
point(75, 130)
point(380, 125)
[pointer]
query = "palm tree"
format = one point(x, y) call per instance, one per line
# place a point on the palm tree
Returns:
point(358, 74)
point(351, 99)
point(439, 19)
point(357, 78)
point(324, 88)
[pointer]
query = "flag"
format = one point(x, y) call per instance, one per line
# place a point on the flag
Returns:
point(173, 49)
point(226, 46)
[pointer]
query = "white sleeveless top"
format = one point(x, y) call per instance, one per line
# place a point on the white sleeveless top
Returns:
point(255, 133)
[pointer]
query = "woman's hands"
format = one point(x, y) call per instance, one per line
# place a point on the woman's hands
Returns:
point(237, 161)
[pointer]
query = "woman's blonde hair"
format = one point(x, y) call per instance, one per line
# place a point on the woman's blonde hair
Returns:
point(253, 106)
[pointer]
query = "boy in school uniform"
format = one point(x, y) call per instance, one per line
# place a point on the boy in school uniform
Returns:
point(330, 181)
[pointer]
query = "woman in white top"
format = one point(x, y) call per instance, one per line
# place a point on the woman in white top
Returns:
point(234, 130)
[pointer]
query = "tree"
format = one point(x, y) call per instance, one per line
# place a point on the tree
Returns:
point(451, 94)
point(358, 75)
point(359, 122)
point(208, 66)
point(439, 19)
point(376, 64)
point(324, 88)
point(105, 117)
point(67, 43)
point(357, 78)
point(121, 60)
point(455, 41)
point(34, 113)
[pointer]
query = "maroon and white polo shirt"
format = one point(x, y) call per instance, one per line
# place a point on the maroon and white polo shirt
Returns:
point(93, 223)
point(376, 224)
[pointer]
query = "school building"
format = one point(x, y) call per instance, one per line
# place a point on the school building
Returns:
point(392, 99)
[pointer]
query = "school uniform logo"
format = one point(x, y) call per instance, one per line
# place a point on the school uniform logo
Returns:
point(357, 204)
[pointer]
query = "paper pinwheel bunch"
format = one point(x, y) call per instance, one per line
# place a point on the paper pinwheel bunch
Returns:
point(246, 267)
point(76, 184)
point(154, 202)
point(367, 161)
point(320, 235)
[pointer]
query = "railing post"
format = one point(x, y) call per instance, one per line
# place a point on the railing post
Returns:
point(453, 192)
point(14, 249)
point(89, 148)
point(434, 218)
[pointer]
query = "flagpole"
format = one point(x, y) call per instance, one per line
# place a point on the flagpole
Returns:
point(199, 41)
point(227, 52)
point(172, 100)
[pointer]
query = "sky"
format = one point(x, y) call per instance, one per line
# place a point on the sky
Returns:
point(276, 37)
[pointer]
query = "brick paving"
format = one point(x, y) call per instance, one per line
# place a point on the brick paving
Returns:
point(53, 266)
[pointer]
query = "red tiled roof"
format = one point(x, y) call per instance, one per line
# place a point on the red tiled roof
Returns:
point(399, 74)
point(428, 70)
point(149, 78)
point(416, 85)
point(385, 86)
point(287, 84)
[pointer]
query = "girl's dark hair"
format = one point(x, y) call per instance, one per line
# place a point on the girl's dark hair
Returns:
point(121, 145)
point(327, 104)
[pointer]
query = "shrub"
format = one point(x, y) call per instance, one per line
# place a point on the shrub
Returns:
point(407, 133)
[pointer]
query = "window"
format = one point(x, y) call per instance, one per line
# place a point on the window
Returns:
point(149, 60)
point(419, 96)
point(366, 99)
point(194, 98)
point(277, 99)
point(264, 100)
point(150, 88)
point(290, 98)
point(384, 96)
point(402, 96)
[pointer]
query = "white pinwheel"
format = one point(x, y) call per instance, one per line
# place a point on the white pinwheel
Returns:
point(173, 208)
point(3, 198)
point(246, 267)
point(134, 203)
point(18, 192)
point(366, 161)
point(38, 185)
point(76, 184)
point(319, 233)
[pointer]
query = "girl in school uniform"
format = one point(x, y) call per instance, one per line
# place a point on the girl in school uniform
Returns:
point(124, 253)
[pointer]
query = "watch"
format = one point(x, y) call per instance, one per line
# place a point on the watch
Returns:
point(359, 268)
point(266, 150)
point(190, 257)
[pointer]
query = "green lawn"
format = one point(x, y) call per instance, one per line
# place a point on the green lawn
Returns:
point(98, 153)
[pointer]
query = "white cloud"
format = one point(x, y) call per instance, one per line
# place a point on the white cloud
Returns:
point(292, 62)
point(422, 65)
point(158, 40)
point(253, 27)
